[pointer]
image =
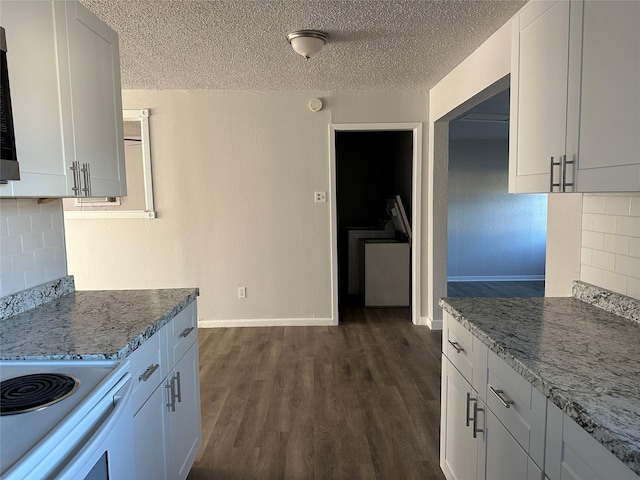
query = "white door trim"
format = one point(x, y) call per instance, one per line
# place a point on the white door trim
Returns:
point(416, 215)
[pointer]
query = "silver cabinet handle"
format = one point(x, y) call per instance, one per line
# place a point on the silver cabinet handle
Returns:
point(186, 331)
point(146, 375)
point(456, 346)
point(476, 430)
point(551, 182)
point(179, 394)
point(564, 173)
point(469, 400)
point(75, 168)
point(498, 393)
point(172, 395)
point(86, 173)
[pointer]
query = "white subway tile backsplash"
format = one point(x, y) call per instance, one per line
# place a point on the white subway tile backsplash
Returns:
point(629, 226)
point(593, 240)
point(23, 262)
point(634, 247)
point(635, 206)
point(19, 225)
point(628, 266)
point(10, 246)
point(593, 204)
point(633, 287)
point(611, 229)
point(614, 281)
point(604, 223)
point(617, 205)
point(45, 256)
point(53, 238)
point(32, 247)
point(41, 223)
point(31, 242)
point(603, 260)
point(14, 282)
point(591, 275)
point(616, 244)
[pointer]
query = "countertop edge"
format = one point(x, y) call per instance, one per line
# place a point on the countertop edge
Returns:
point(572, 408)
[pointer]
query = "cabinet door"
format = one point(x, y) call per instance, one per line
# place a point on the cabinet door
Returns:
point(609, 142)
point(461, 455)
point(186, 434)
point(33, 79)
point(505, 459)
point(150, 434)
point(539, 75)
point(93, 109)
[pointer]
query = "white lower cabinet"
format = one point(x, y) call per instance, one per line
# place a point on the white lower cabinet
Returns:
point(184, 426)
point(167, 425)
point(461, 453)
point(474, 444)
point(573, 454)
point(509, 430)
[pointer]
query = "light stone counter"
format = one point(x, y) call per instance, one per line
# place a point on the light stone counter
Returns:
point(93, 325)
point(584, 359)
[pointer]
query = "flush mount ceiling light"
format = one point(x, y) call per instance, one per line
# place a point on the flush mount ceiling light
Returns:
point(307, 42)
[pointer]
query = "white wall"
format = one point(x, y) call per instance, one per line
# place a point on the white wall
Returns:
point(32, 249)
point(610, 255)
point(492, 235)
point(234, 175)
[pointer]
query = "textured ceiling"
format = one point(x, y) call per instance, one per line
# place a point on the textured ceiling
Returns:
point(240, 44)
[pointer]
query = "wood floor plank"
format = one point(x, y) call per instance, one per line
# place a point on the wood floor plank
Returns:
point(356, 401)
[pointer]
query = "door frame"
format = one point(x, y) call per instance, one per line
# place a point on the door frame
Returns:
point(416, 187)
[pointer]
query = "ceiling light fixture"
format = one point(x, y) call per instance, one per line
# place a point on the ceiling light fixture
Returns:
point(307, 42)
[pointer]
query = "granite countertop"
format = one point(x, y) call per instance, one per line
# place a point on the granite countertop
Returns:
point(584, 359)
point(91, 325)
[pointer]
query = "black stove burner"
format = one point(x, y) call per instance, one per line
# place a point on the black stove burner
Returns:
point(33, 392)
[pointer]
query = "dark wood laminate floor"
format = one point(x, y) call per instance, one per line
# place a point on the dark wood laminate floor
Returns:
point(358, 401)
point(523, 289)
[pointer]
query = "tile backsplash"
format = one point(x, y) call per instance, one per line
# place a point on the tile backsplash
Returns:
point(32, 248)
point(610, 255)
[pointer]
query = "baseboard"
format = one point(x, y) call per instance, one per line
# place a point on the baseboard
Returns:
point(267, 322)
point(504, 278)
point(434, 324)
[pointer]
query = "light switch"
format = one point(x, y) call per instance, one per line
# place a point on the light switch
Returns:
point(320, 197)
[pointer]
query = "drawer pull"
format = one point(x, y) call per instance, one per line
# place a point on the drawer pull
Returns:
point(504, 401)
point(456, 346)
point(148, 372)
point(186, 332)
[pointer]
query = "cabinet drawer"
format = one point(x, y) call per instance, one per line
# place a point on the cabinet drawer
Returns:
point(466, 353)
point(518, 406)
point(148, 368)
point(182, 333)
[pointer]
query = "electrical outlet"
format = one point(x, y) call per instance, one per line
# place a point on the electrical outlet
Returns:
point(242, 292)
point(320, 197)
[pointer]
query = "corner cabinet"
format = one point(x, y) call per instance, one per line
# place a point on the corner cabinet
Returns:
point(575, 97)
point(64, 73)
point(166, 400)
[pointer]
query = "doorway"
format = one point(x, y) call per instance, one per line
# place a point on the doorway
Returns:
point(496, 241)
point(372, 165)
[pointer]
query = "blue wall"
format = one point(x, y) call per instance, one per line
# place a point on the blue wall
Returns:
point(492, 235)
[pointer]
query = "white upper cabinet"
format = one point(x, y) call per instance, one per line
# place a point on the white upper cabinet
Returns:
point(64, 72)
point(575, 97)
point(609, 121)
point(539, 75)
